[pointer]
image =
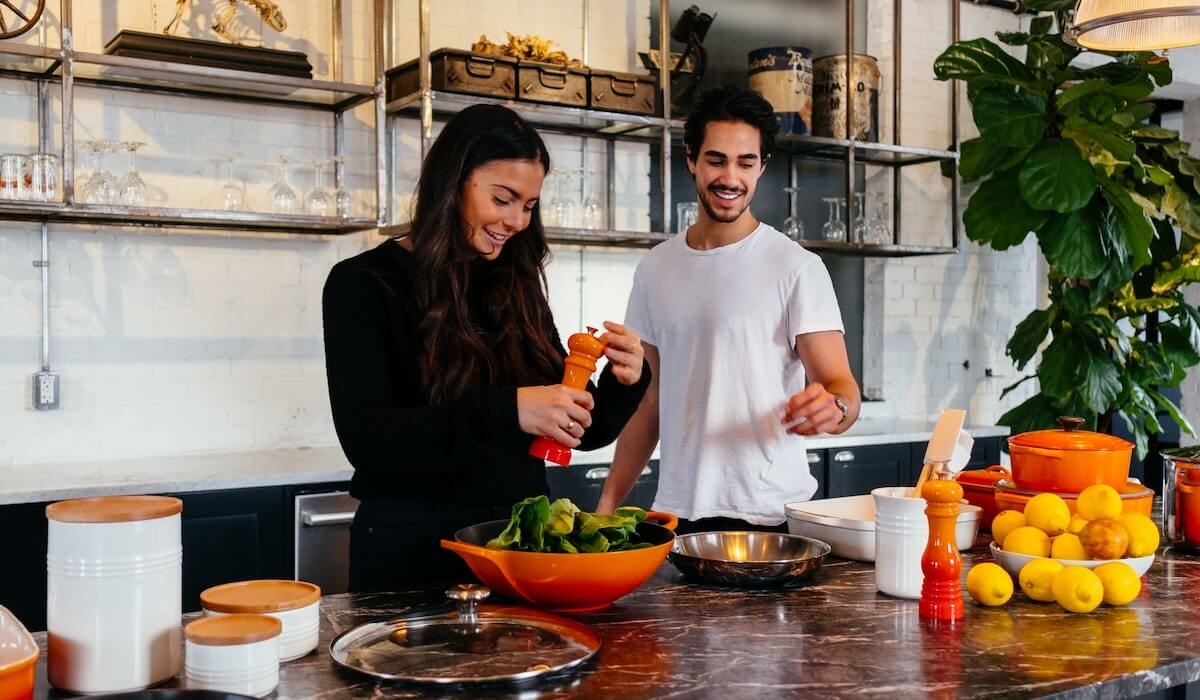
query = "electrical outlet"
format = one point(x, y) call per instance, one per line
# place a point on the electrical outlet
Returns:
point(45, 391)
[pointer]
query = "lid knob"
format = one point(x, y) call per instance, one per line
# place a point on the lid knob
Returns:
point(467, 595)
point(1070, 423)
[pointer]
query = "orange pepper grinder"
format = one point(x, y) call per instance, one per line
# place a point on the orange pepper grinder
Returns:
point(577, 370)
point(941, 592)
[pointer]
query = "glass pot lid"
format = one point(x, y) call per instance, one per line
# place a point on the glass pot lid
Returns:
point(1070, 438)
point(475, 643)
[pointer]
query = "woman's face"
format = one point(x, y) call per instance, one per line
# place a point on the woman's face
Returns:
point(498, 200)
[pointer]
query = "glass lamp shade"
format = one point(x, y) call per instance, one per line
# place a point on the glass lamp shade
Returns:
point(1135, 25)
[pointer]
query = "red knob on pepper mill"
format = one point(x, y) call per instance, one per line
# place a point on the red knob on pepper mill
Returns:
point(941, 592)
point(578, 369)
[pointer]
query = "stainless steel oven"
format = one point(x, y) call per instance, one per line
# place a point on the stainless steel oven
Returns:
point(322, 532)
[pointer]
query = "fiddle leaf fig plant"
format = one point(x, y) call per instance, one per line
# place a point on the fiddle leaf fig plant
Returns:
point(1067, 153)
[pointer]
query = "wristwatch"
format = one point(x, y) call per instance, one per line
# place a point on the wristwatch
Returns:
point(842, 406)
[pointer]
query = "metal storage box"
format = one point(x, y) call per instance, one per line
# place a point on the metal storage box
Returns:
point(552, 84)
point(457, 71)
point(623, 92)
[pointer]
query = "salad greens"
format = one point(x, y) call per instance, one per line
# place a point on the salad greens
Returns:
point(537, 525)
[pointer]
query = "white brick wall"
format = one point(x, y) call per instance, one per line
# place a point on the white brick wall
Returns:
point(183, 342)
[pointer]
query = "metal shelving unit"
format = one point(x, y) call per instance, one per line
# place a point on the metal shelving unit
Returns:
point(66, 68)
point(666, 133)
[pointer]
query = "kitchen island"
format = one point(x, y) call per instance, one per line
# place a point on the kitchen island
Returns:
point(833, 637)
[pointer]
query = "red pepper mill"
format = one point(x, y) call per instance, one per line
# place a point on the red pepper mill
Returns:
point(578, 369)
point(941, 592)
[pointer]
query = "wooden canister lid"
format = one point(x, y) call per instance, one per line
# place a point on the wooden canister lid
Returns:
point(113, 509)
point(264, 596)
point(229, 630)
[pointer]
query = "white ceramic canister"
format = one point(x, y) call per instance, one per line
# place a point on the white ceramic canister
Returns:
point(233, 654)
point(901, 534)
point(296, 604)
point(113, 603)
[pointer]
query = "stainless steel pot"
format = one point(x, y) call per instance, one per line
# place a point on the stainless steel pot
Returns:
point(1181, 497)
point(749, 559)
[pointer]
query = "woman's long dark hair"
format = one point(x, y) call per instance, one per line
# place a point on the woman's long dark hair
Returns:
point(454, 287)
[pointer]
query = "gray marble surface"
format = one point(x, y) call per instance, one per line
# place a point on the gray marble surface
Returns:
point(833, 637)
point(35, 483)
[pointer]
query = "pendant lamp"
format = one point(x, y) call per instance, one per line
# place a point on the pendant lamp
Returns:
point(1135, 25)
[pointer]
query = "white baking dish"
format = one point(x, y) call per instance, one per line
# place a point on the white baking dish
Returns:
point(847, 524)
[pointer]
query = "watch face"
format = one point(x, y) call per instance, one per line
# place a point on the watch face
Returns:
point(841, 404)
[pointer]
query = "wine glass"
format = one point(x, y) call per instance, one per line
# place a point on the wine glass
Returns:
point(549, 205)
point(343, 201)
point(593, 211)
point(834, 228)
point(564, 204)
point(877, 227)
point(100, 186)
point(860, 230)
point(231, 196)
point(792, 225)
point(282, 197)
point(319, 201)
point(133, 190)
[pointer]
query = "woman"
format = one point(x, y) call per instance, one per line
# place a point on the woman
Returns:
point(444, 363)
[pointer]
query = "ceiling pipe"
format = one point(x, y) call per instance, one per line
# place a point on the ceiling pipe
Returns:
point(1014, 6)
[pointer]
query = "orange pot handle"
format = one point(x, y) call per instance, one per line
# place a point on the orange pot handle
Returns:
point(665, 519)
point(495, 556)
point(997, 469)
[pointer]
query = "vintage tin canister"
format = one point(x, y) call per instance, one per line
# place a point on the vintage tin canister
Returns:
point(784, 76)
point(829, 97)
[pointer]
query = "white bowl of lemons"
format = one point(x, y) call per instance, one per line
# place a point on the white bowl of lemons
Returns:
point(1013, 562)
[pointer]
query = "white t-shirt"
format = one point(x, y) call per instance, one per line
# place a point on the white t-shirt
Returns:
point(725, 322)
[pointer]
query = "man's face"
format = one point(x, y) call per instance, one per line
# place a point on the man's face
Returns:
point(727, 169)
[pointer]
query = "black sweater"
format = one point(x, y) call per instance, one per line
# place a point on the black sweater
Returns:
point(468, 451)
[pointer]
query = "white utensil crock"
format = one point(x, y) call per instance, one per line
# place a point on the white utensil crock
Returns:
point(901, 534)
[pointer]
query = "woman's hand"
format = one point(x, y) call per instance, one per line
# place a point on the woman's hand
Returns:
point(556, 411)
point(623, 348)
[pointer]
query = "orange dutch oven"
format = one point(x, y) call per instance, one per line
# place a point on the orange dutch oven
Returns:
point(1068, 460)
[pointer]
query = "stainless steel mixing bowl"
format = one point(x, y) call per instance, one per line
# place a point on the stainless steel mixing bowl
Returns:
point(751, 559)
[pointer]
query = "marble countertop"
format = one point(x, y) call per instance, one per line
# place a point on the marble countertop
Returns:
point(833, 637)
point(34, 483)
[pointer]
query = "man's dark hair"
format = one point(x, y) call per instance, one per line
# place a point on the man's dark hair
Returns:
point(731, 104)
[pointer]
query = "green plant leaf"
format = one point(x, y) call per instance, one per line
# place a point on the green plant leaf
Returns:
point(1179, 206)
point(1129, 224)
point(1049, 6)
point(1101, 380)
point(1179, 345)
point(1115, 73)
point(1013, 38)
point(1060, 369)
point(1009, 118)
point(1041, 26)
point(997, 216)
point(979, 157)
point(1141, 441)
point(1173, 411)
point(1056, 177)
point(1106, 332)
point(1036, 412)
point(1072, 243)
point(1028, 336)
point(1155, 133)
point(1086, 134)
point(984, 61)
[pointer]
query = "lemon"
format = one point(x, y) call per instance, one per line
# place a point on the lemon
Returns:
point(1077, 589)
point(1076, 525)
point(1036, 576)
point(989, 584)
point(1005, 522)
point(1143, 534)
point(1120, 581)
point(1067, 546)
point(1027, 540)
point(1048, 512)
point(1098, 501)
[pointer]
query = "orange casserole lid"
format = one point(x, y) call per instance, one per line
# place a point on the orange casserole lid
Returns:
point(113, 509)
point(229, 630)
point(264, 596)
point(1070, 438)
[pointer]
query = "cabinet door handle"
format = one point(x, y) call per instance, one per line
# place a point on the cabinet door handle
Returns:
point(596, 473)
point(814, 458)
point(327, 519)
point(843, 456)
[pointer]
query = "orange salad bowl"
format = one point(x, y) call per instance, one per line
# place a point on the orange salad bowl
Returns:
point(1135, 497)
point(18, 658)
point(565, 583)
point(1068, 460)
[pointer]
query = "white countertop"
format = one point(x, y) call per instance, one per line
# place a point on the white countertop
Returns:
point(34, 483)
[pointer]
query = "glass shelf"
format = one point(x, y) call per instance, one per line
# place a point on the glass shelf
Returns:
point(561, 118)
point(889, 250)
point(575, 236)
point(162, 217)
point(187, 79)
point(27, 61)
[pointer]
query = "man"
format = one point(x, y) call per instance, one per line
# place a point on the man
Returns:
point(744, 339)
